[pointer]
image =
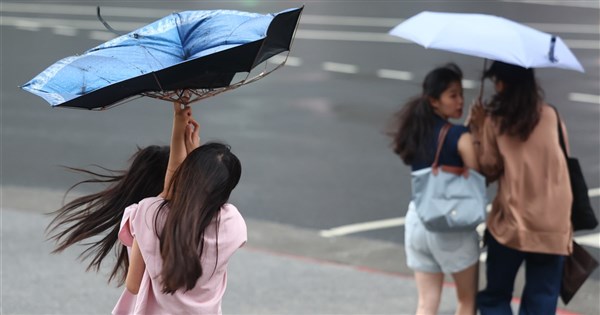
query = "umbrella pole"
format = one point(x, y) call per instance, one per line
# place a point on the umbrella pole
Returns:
point(485, 60)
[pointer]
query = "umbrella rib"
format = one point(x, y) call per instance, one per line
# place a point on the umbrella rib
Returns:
point(108, 27)
point(151, 55)
point(235, 29)
point(157, 81)
point(83, 70)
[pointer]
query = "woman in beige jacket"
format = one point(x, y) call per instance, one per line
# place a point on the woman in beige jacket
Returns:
point(518, 145)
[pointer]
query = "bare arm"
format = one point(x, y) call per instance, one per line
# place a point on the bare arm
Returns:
point(178, 152)
point(484, 142)
point(136, 269)
point(489, 156)
point(466, 149)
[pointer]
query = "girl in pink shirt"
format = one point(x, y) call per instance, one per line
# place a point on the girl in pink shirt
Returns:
point(181, 241)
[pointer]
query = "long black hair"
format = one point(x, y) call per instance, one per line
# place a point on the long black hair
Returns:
point(414, 122)
point(517, 106)
point(99, 214)
point(200, 187)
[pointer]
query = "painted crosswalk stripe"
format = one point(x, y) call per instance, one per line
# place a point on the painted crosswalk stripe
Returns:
point(340, 67)
point(584, 98)
point(291, 61)
point(363, 227)
point(574, 4)
point(399, 221)
point(64, 30)
point(589, 240)
point(382, 22)
point(102, 36)
point(395, 74)
point(353, 36)
point(470, 84)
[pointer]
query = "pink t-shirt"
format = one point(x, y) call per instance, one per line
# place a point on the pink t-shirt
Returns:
point(205, 297)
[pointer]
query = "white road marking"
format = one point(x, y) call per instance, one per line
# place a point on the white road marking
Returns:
point(582, 44)
point(482, 256)
point(27, 25)
point(363, 227)
point(379, 37)
point(395, 74)
point(349, 36)
point(64, 30)
point(385, 38)
point(592, 240)
point(470, 84)
point(584, 98)
point(399, 221)
point(408, 76)
point(291, 61)
point(102, 36)
point(82, 10)
point(572, 3)
point(589, 240)
point(383, 22)
point(350, 20)
point(340, 67)
point(566, 28)
point(78, 24)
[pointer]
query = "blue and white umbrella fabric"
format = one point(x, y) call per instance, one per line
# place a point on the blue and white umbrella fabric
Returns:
point(195, 51)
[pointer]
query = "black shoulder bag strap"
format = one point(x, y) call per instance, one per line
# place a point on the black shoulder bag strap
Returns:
point(561, 138)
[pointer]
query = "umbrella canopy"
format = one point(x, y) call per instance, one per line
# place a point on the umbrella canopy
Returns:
point(197, 51)
point(488, 36)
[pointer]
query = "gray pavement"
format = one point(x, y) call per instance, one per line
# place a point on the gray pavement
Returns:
point(260, 282)
point(282, 270)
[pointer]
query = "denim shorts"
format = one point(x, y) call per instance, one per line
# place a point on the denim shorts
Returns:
point(447, 252)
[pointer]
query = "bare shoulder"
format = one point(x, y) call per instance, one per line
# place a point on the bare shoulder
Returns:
point(547, 109)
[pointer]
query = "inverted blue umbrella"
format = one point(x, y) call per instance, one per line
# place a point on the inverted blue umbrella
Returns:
point(195, 53)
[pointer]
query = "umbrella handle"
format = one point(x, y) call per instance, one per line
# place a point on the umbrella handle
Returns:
point(485, 60)
point(108, 27)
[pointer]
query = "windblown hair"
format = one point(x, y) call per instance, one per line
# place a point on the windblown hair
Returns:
point(199, 188)
point(98, 215)
point(517, 106)
point(413, 125)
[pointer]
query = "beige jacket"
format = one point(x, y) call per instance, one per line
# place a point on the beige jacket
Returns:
point(532, 209)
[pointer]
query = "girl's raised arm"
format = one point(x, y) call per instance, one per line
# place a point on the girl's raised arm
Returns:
point(181, 119)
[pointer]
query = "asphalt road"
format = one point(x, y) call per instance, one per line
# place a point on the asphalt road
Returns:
point(311, 139)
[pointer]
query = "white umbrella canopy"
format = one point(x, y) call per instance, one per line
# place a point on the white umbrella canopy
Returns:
point(488, 36)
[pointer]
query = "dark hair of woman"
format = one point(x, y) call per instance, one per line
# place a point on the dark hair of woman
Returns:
point(414, 122)
point(517, 105)
point(200, 187)
point(99, 214)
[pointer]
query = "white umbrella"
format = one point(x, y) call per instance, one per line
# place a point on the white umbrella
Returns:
point(489, 37)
